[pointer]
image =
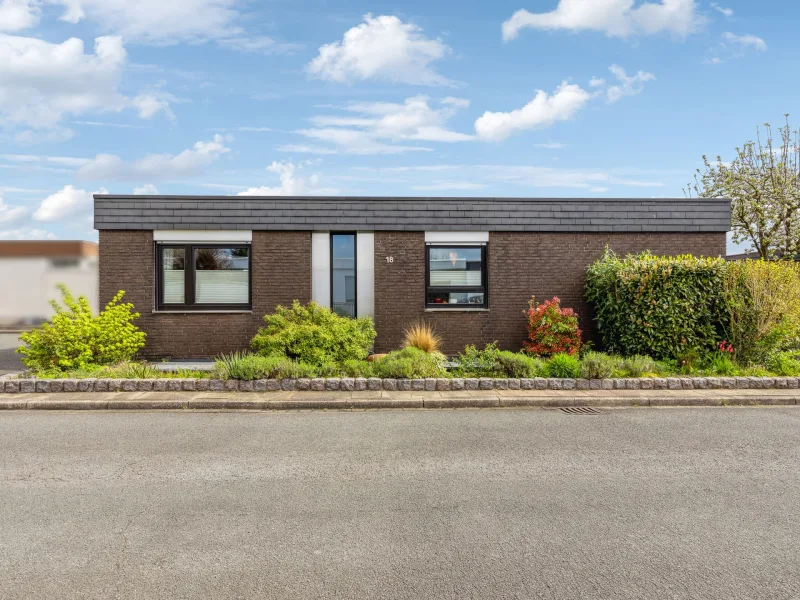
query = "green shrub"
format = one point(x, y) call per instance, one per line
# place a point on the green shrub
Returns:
point(410, 363)
point(653, 305)
point(785, 364)
point(598, 365)
point(639, 366)
point(517, 365)
point(563, 366)
point(491, 362)
point(76, 340)
point(314, 334)
point(248, 367)
point(357, 368)
point(480, 363)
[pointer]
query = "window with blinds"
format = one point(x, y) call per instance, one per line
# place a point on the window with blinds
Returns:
point(213, 277)
point(456, 276)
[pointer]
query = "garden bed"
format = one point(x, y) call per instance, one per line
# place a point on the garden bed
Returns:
point(374, 384)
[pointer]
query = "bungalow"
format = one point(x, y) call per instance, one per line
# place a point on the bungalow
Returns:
point(203, 270)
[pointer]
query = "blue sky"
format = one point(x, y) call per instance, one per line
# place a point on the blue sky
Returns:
point(585, 98)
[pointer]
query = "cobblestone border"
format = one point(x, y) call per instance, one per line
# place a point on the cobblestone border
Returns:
point(348, 384)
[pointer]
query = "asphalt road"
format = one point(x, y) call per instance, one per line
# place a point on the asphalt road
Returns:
point(634, 503)
point(9, 361)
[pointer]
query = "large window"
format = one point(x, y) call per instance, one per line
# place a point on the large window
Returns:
point(456, 277)
point(203, 277)
point(343, 274)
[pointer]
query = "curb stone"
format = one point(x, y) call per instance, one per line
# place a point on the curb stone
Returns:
point(360, 384)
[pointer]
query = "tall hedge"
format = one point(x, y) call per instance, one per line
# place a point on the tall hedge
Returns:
point(657, 306)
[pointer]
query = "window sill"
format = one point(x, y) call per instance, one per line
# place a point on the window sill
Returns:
point(465, 309)
point(202, 312)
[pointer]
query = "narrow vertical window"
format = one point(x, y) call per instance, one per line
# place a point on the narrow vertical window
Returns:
point(343, 274)
point(174, 275)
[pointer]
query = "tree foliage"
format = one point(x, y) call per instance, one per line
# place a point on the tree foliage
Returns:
point(763, 183)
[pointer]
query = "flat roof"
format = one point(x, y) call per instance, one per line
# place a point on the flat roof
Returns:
point(342, 213)
point(47, 248)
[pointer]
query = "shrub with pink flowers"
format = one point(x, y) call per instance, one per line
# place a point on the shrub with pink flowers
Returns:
point(552, 329)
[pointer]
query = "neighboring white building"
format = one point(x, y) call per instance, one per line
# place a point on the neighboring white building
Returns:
point(30, 272)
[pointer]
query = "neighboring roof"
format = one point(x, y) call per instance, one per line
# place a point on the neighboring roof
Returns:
point(47, 248)
point(342, 213)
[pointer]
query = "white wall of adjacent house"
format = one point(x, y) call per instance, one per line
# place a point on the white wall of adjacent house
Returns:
point(29, 283)
point(321, 267)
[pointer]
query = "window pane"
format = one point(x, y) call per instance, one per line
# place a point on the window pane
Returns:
point(455, 267)
point(174, 275)
point(455, 298)
point(343, 265)
point(222, 275)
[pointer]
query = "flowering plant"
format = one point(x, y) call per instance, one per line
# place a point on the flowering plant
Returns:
point(552, 329)
point(725, 347)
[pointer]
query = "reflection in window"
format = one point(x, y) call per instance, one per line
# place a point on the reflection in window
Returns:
point(174, 276)
point(343, 274)
point(221, 275)
point(456, 276)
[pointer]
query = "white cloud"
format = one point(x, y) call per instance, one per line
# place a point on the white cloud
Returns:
point(628, 85)
point(66, 161)
point(549, 177)
point(68, 203)
point(552, 145)
point(157, 21)
point(618, 18)
point(597, 82)
point(26, 233)
point(41, 83)
point(444, 186)
point(146, 189)
point(544, 110)
point(383, 48)
point(151, 103)
point(156, 166)
point(728, 12)
point(291, 182)
point(377, 127)
point(9, 214)
point(259, 45)
point(16, 15)
point(734, 46)
point(745, 41)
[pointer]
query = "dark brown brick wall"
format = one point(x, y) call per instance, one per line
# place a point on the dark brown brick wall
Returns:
point(281, 265)
point(520, 265)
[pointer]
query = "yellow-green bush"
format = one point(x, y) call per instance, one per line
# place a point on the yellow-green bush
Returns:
point(75, 339)
point(762, 299)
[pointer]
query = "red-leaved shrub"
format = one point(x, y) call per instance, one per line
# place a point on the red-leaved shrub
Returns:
point(552, 329)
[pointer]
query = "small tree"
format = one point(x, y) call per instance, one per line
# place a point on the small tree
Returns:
point(763, 183)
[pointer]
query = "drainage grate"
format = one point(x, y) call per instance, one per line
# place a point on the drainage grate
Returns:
point(580, 410)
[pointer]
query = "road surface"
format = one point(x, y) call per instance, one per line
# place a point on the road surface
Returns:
point(632, 503)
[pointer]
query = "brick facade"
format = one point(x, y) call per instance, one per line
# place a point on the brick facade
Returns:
point(520, 265)
point(127, 263)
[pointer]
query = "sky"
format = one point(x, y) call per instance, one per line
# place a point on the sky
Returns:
point(541, 98)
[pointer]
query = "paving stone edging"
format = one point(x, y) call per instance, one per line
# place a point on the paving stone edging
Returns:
point(357, 384)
